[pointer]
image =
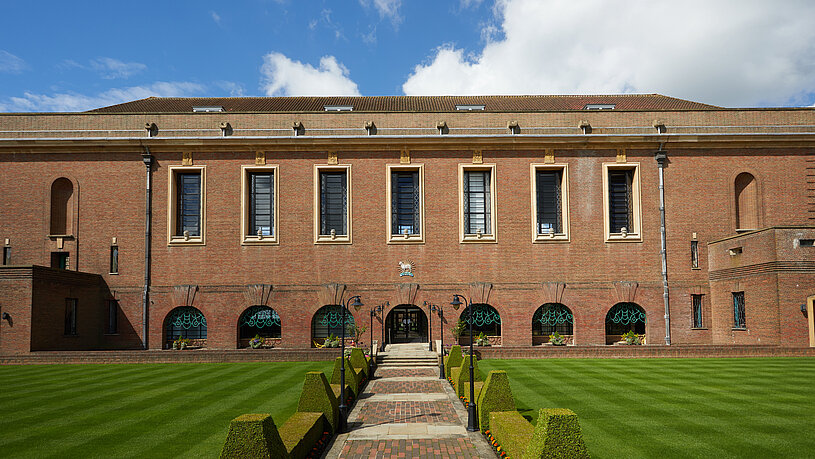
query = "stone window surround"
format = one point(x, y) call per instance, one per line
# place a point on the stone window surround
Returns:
point(172, 211)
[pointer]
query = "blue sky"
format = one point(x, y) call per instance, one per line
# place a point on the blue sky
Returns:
point(73, 56)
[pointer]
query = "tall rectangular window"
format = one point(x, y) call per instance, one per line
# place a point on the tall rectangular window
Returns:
point(332, 204)
point(549, 204)
point(261, 204)
point(694, 254)
point(114, 259)
point(6, 255)
point(70, 316)
point(738, 310)
point(60, 260)
point(405, 203)
point(696, 306)
point(188, 195)
point(186, 211)
point(620, 195)
point(621, 202)
point(477, 208)
point(113, 317)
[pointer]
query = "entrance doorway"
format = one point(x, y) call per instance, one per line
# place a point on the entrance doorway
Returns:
point(406, 323)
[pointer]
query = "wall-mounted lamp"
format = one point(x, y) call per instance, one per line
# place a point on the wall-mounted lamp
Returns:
point(804, 309)
point(6, 316)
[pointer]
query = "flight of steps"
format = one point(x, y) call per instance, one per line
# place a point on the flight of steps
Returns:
point(407, 355)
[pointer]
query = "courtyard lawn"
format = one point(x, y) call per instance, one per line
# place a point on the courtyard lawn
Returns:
point(655, 408)
point(140, 410)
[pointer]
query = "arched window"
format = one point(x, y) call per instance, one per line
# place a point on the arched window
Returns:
point(62, 206)
point(623, 318)
point(259, 320)
point(328, 321)
point(746, 202)
point(552, 317)
point(186, 322)
point(485, 320)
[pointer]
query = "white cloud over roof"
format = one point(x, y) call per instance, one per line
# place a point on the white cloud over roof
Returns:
point(282, 76)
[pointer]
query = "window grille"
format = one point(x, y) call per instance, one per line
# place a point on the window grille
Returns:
point(186, 322)
point(738, 310)
point(549, 201)
point(328, 321)
point(261, 204)
point(477, 203)
point(552, 317)
point(625, 317)
point(621, 209)
point(485, 319)
point(188, 204)
point(333, 203)
point(259, 320)
point(405, 203)
point(70, 316)
point(696, 301)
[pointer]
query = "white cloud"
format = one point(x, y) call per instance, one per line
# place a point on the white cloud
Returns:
point(215, 17)
point(285, 77)
point(9, 63)
point(74, 102)
point(385, 8)
point(109, 68)
point(732, 53)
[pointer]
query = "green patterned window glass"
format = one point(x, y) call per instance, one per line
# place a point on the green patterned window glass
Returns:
point(259, 320)
point(552, 317)
point(485, 319)
point(187, 322)
point(625, 317)
point(328, 321)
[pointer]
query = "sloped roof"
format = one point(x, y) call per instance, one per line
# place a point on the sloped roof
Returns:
point(420, 104)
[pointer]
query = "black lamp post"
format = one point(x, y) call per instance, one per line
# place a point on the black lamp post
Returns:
point(341, 424)
point(437, 308)
point(429, 327)
point(374, 311)
point(472, 421)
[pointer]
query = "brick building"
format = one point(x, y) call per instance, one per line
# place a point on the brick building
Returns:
point(543, 211)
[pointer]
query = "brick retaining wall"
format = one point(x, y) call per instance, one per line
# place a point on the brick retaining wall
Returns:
point(651, 351)
point(188, 356)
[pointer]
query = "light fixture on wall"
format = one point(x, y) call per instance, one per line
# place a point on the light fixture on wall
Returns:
point(6, 316)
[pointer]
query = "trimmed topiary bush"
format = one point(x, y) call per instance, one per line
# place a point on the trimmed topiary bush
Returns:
point(253, 436)
point(301, 432)
point(453, 360)
point(512, 432)
point(557, 434)
point(317, 396)
point(359, 362)
point(463, 380)
point(350, 375)
point(495, 395)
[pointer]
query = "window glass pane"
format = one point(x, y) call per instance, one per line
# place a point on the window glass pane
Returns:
point(548, 201)
point(694, 254)
point(113, 317)
point(333, 203)
point(738, 310)
point(620, 200)
point(114, 259)
point(405, 200)
point(70, 316)
point(261, 204)
point(477, 202)
point(697, 310)
point(189, 204)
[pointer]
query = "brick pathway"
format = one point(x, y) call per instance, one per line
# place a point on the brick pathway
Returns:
point(406, 411)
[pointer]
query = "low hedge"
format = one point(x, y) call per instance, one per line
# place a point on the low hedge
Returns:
point(495, 395)
point(359, 362)
point(253, 436)
point(463, 379)
point(301, 432)
point(317, 396)
point(557, 434)
point(453, 360)
point(351, 376)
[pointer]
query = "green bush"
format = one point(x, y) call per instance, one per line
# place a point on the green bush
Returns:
point(317, 396)
point(359, 362)
point(495, 395)
point(253, 436)
point(453, 360)
point(512, 432)
point(351, 375)
point(463, 381)
point(301, 432)
point(557, 434)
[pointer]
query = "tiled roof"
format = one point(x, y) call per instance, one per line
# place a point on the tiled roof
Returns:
point(421, 104)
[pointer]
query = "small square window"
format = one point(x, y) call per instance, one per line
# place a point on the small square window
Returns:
point(60, 260)
point(550, 203)
point(477, 203)
point(332, 204)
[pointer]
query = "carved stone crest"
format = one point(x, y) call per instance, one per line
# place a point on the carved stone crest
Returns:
point(407, 268)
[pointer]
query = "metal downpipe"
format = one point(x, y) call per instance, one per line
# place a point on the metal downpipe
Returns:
point(662, 157)
point(147, 158)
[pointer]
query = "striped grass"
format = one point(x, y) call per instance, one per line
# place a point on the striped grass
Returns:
point(140, 410)
point(655, 408)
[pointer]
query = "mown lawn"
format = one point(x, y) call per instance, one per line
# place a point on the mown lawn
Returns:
point(144, 411)
point(655, 408)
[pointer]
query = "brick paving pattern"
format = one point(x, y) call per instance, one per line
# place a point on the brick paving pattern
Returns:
point(421, 448)
point(407, 387)
point(405, 372)
point(408, 412)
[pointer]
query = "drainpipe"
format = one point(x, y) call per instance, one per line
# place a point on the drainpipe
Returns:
point(147, 158)
point(662, 157)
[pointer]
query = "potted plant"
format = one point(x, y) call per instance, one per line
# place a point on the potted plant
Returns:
point(256, 342)
point(482, 340)
point(181, 343)
point(556, 339)
point(632, 339)
point(331, 341)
